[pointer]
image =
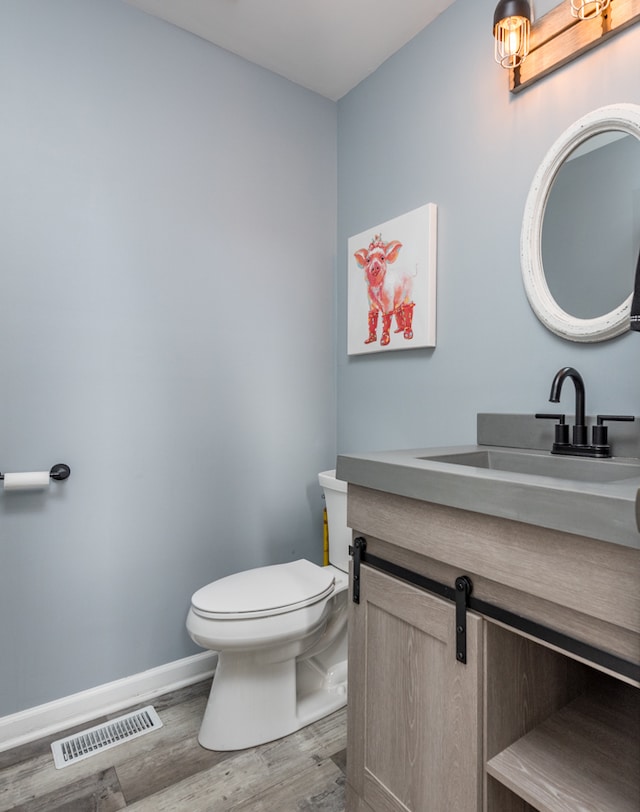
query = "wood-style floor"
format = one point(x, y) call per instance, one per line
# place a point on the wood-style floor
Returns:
point(166, 770)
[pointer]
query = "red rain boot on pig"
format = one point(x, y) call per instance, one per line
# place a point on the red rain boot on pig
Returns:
point(386, 326)
point(373, 327)
point(407, 319)
point(399, 314)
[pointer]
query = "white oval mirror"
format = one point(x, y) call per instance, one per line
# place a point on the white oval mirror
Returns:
point(581, 227)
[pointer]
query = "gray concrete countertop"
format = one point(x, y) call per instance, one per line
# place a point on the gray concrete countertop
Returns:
point(609, 511)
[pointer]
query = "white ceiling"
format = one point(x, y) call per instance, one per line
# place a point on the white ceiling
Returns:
point(328, 46)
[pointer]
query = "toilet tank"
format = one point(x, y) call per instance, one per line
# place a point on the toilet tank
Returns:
point(335, 494)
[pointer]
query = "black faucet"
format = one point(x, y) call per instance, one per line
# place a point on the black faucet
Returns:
point(579, 447)
point(580, 427)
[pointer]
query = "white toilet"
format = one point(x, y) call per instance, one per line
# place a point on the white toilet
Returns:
point(281, 637)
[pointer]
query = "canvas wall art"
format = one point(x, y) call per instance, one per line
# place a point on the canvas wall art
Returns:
point(392, 284)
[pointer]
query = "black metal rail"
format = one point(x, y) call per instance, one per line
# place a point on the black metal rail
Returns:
point(461, 595)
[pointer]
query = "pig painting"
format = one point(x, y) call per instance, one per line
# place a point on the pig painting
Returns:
point(391, 284)
point(389, 289)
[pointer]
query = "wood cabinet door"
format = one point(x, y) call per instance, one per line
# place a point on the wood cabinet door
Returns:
point(414, 712)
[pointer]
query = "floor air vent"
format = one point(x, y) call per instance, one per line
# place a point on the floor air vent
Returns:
point(102, 737)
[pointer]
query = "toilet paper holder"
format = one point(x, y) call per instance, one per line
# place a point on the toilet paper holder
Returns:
point(59, 471)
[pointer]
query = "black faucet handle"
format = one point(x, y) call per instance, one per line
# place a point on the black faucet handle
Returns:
point(599, 431)
point(562, 430)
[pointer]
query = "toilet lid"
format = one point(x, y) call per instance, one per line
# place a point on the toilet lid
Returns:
point(264, 591)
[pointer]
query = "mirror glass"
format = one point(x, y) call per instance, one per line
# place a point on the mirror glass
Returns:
point(581, 227)
point(591, 225)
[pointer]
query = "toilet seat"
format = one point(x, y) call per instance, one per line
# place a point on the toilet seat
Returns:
point(264, 591)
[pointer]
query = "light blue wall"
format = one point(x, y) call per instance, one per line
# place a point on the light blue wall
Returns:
point(167, 264)
point(436, 123)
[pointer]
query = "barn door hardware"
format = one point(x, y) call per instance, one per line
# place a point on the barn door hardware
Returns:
point(357, 551)
point(464, 600)
point(463, 591)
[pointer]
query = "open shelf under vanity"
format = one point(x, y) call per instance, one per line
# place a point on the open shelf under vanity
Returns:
point(560, 735)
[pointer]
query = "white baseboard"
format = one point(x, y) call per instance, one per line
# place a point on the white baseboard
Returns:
point(70, 711)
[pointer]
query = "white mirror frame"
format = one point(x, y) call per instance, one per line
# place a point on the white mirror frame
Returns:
point(621, 117)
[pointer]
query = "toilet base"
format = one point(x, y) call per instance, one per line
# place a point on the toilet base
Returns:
point(244, 712)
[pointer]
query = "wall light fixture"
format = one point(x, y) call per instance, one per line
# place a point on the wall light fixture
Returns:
point(563, 34)
point(511, 29)
point(586, 9)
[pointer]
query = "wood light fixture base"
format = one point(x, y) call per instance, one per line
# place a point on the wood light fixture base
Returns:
point(558, 38)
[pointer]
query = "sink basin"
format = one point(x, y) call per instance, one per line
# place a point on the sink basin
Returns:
point(582, 469)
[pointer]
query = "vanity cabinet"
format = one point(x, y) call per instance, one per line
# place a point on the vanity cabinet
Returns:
point(524, 724)
point(414, 711)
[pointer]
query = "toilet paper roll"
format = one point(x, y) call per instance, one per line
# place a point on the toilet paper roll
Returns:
point(26, 481)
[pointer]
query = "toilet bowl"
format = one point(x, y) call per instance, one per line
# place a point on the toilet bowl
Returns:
point(281, 636)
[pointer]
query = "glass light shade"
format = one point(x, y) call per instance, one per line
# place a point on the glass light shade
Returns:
point(511, 30)
point(512, 41)
point(586, 9)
